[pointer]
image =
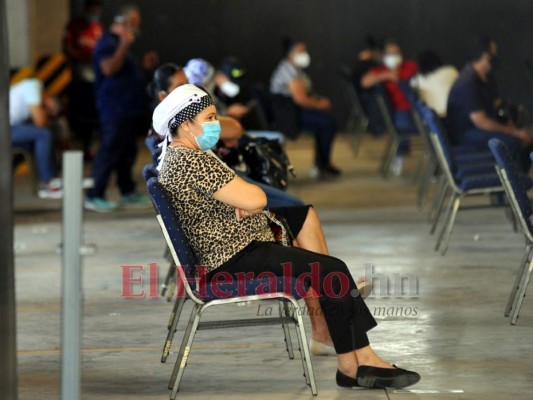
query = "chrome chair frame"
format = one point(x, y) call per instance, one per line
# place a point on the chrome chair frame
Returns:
point(455, 197)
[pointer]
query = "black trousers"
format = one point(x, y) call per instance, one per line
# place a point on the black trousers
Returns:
point(117, 153)
point(346, 313)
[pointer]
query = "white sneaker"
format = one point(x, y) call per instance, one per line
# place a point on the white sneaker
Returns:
point(397, 166)
point(50, 193)
point(314, 173)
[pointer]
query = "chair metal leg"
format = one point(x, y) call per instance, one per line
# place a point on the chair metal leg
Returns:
point(521, 292)
point(304, 351)
point(443, 192)
point(285, 312)
point(172, 326)
point(449, 226)
point(519, 275)
point(425, 183)
point(170, 274)
point(389, 157)
point(184, 351)
point(442, 188)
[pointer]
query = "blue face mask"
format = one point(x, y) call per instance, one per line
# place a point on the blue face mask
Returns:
point(210, 134)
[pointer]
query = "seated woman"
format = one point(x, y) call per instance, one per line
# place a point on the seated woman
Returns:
point(222, 217)
point(309, 111)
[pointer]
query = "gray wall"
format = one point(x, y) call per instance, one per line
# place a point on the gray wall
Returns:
point(334, 30)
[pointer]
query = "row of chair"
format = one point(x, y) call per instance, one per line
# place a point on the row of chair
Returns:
point(459, 172)
point(465, 172)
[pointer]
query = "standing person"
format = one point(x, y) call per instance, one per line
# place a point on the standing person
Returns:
point(434, 81)
point(81, 36)
point(29, 115)
point(293, 93)
point(121, 102)
point(393, 70)
point(472, 108)
point(221, 216)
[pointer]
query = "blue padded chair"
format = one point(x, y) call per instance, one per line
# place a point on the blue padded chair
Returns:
point(467, 159)
point(466, 185)
point(516, 192)
point(169, 285)
point(204, 297)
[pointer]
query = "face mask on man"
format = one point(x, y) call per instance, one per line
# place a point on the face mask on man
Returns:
point(210, 134)
point(230, 89)
point(302, 59)
point(392, 61)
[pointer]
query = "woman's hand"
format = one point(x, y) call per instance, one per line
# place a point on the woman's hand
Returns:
point(241, 214)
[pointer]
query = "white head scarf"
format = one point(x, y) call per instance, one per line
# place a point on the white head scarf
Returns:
point(182, 103)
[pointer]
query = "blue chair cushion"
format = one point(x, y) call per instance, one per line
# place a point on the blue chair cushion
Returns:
point(479, 181)
point(221, 290)
point(478, 168)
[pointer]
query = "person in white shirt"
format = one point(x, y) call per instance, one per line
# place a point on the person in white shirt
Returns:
point(434, 81)
point(29, 114)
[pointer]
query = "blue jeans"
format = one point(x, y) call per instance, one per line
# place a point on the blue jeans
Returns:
point(405, 125)
point(322, 125)
point(275, 197)
point(39, 141)
point(478, 139)
point(376, 125)
point(270, 135)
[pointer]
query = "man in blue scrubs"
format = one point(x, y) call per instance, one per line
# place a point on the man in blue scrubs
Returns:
point(121, 103)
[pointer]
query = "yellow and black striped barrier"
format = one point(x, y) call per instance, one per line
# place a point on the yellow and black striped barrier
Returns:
point(53, 70)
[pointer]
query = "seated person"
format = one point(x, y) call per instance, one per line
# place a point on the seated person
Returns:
point(367, 59)
point(29, 115)
point(224, 86)
point(434, 81)
point(472, 109)
point(228, 88)
point(222, 218)
point(393, 70)
point(311, 111)
point(167, 78)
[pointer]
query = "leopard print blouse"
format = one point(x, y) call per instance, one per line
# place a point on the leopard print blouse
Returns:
point(191, 177)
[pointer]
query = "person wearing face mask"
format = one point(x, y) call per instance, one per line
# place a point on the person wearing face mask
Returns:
point(223, 220)
point(472, 116)
point(393, 70)
point(80, 38)
point(297, 107)
point(121, 102)
point(229, 78)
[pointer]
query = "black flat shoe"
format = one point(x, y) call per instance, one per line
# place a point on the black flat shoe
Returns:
point(346, 382)
point(380, 378)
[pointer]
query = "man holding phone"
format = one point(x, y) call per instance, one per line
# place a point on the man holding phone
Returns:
point(121, 103)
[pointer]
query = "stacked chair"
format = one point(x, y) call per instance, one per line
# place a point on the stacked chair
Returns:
point(516, 192)
point(207, 296)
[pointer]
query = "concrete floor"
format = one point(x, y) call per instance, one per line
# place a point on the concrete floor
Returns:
point(451, 330)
